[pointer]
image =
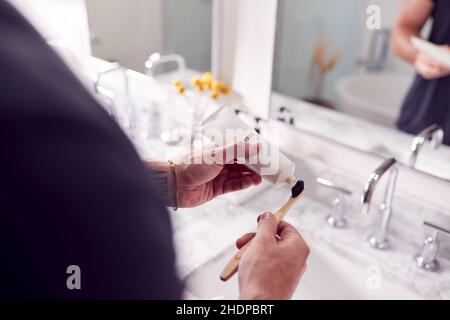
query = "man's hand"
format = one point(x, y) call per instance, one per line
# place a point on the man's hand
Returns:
point(202, 176)
point(430, 68)
point(214, 172)
point(275, 261)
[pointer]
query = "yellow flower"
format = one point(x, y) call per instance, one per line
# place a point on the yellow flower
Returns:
point(225, 90)
point(214, 94)
point(196, 81)
point(216, 85)
point(207, 77)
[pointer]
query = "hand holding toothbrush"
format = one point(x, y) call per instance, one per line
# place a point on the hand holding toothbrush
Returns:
point(273, 265)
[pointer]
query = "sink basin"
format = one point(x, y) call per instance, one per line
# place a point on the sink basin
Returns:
point(359, 95)
point(328, 276)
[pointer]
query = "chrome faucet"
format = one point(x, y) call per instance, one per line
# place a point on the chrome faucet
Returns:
point(378, 51)
point(336, 219)
point(427, 257)
point(378, 238)
point(157, 59)
point(434, 134)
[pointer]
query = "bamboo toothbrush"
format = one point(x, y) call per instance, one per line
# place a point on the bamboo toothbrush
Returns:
point(232, 266)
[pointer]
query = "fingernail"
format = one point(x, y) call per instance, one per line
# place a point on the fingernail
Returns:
point(267, 216)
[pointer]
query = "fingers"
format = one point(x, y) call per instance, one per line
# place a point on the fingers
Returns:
point(241, 171)
point(284, 227)
point(291, 238)
point(430, 68)
point(286, 230)
point(242, 241)
point(237, 184)
point(267, 227)
point(256, 179)
point(239, 152)
point(236, 167)
point(235, 174)
point(240, 181)
point(244, 150)
point(430, 62)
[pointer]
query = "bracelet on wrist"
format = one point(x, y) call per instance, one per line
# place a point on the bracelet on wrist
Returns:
point(173, 170)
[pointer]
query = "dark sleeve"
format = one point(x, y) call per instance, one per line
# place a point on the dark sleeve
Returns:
point(164, 181)
point(73, 191)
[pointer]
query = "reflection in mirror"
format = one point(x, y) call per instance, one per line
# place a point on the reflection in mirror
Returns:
point(161, 39)
point(130, 31)
point(349, 70)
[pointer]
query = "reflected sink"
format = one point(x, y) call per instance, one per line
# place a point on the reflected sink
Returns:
point(328, 276)
point(375, 97)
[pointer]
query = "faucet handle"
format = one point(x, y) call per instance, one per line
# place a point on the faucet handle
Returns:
point(433, 134)
point(437, 138)
point(157, 59)
point(115, 66)
point(427, 258)
point(336, 219)
point(285, 115)
point(332, 185)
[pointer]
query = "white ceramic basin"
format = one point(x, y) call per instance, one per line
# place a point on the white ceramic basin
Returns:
point(376, 97)
point(328, 276)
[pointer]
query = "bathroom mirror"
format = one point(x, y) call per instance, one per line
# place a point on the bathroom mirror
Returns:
point(129, 31)
point(336, 74)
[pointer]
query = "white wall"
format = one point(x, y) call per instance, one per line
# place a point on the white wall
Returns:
point(246, 30)
point(127, 31)
point(64, 20)
point(301, 26)
point(188, 25)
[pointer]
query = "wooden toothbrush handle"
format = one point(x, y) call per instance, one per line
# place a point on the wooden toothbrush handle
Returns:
point(232, 266)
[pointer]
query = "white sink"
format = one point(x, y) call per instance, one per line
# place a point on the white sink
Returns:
point(328, 276)
point(376, 97)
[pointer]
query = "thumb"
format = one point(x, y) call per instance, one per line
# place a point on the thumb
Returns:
point(267, 227)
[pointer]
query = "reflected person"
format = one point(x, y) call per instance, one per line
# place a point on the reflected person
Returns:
point(428, 101)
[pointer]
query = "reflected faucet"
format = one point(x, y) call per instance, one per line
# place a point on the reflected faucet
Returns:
point(157, 59)
point(124, 114)
point(115, 66)
point(170, 137)
point(378, 51)
point(378, 238)
point(434, 134)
